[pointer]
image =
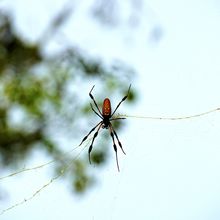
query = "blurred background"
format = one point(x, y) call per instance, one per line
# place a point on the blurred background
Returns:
point(52, 53)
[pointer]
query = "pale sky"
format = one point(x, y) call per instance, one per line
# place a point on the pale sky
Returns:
point(171, 170)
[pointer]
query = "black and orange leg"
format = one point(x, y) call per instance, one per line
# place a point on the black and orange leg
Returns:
point(113, 119)
point(119, 143)
point(114, 145)
point(95, 135)
point(90, 132)
point(121, 101)
point(100, 116)
point(91, 96)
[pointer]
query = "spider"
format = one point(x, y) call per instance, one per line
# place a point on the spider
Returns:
point(106, 117)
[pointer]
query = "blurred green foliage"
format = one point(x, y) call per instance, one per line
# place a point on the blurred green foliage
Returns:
point(37, 103)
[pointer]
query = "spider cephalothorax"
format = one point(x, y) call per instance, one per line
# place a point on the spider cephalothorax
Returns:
point(106, 116)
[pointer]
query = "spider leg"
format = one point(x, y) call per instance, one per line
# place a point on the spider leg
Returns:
point(90, 132)
point(91, 96)
point(114, 145)
point(96, 111)
point(95, 135)
point(121, 101)
point(112, 119)
point(119, 143)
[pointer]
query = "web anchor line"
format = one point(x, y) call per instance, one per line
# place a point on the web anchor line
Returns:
point(37, 167)
point(60, 174)
point(170, 118)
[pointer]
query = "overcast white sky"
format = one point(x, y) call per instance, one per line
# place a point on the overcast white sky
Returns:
point(171, 170)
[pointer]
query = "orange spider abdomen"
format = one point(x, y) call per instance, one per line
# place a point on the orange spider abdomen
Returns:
point(106, 108)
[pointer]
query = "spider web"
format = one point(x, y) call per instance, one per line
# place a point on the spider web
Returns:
point(45, 185)
point(65, 168)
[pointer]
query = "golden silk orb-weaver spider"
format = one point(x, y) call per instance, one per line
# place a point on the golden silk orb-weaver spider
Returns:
point(106, 116)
